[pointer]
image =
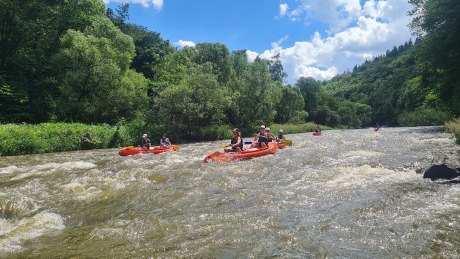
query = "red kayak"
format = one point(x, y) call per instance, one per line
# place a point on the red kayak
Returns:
point(129, 151)
point(217, 156)
point(317, 133)
point(281, 145)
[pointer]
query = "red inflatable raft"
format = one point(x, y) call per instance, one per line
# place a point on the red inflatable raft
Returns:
point(129, 151)
point(217, 156)
point(317, 133)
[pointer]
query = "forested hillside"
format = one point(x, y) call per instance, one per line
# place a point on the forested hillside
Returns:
point(75, 61)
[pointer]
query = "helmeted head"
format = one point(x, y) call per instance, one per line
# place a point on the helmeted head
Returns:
point(280, 131)
point(144, 136)
point(262, 128)
point(164, 135)
point(267, 129)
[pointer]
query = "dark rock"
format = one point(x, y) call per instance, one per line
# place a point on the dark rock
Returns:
point(441, 171)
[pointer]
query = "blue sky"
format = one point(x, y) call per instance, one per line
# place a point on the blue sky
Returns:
point(317, 38)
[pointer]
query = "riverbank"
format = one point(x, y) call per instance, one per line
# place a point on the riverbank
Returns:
point(23, 139)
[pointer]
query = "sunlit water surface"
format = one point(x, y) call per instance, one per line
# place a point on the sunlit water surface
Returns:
point(348, 193)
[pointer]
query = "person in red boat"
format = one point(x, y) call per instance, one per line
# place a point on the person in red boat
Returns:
point(280, 135)
point(236, 143)
point(257, 136)
point(145, 142)
point(164, 141)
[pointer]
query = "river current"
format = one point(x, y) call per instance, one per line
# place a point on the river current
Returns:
point(346, 194)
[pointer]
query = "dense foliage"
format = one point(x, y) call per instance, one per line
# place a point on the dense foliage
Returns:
point(29, 139)
point(76, 62)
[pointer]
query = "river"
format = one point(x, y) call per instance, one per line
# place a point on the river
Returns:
point(346, 194)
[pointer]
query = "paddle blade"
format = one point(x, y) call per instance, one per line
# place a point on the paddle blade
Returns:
point(131, 147)
point(224, 146)
point(248, 142)
point(176, 148)
point(286, 142)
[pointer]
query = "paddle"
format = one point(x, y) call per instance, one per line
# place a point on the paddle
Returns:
point(286, 142)
point(176, 148)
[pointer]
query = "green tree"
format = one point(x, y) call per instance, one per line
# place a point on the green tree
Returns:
point(276, 69)
point(258, 94)
point(291, 102)
point(309, 88)
point(197, 101)
point(218, 55)
point(437, 23)
point(29, 36)
point(94, 80)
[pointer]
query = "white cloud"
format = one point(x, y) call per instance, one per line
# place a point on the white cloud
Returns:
point(357, 33)
point(338, 14)
point(283, 9)
point(157, 4)
point(252, 55)
point(184, 43)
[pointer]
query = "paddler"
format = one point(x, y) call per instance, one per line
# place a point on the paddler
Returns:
point(280, 135)
point(145, 142)
point(317, 129)
point(261, 135)
point(164, 141)
point(236, 143)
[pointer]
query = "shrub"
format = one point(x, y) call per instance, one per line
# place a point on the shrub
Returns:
point(454, 127)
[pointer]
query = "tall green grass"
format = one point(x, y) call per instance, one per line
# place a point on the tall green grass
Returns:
point(454, 127)
point(295, 128)
point(21, 139)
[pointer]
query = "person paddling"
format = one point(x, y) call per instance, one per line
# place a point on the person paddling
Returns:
point(145, 142)
point(236, 143)
point(257, 136)
point(164, 141)
point(317, 129)
point(269, 135)
point(280, 135)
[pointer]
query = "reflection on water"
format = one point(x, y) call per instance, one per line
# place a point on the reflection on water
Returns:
point(347, 193)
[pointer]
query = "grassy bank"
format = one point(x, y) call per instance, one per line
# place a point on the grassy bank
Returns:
point(22, 139)
point(454, 127)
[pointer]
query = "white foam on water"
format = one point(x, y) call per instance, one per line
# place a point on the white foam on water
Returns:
point(48, 168)
point(90, 194)
point(362, 153)
point(8, 170)
point(363, 175)
point(102, 233)
point(76, 188)
point(67, 165)
point(15, 233)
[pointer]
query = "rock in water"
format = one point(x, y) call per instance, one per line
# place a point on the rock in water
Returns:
point(441, 171)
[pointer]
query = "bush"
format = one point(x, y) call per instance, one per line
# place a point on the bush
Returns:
point(21, 139)
point(454, 127)
point(215, 132)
